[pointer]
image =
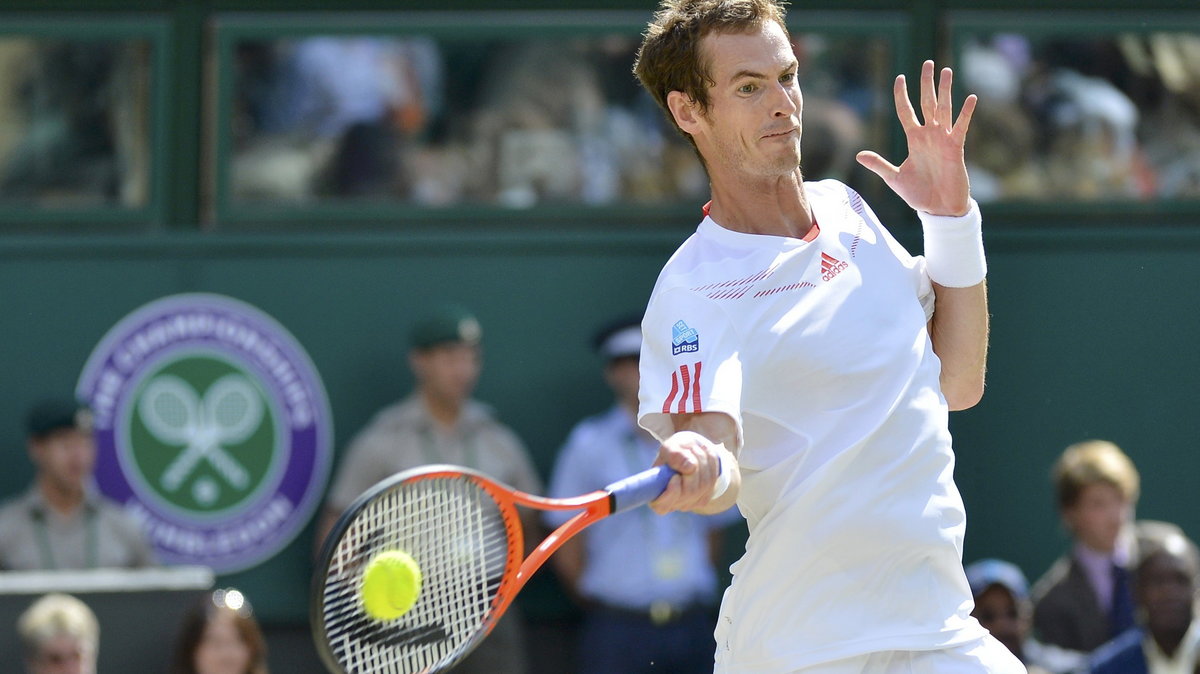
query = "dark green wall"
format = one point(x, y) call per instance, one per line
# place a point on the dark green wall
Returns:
point(349, 301)
point(1093, 335)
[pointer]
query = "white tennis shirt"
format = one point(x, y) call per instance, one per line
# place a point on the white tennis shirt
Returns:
point(819, 351)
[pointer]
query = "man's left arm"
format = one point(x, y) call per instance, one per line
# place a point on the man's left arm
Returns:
point(959, 331)
point(933, 181)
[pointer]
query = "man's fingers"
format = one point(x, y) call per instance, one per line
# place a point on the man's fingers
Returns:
point(964, 118)
point(665, 502)
point(928, 98)
point(687, 490)
point(877, 165)
point(904, 108)
point(945, 101)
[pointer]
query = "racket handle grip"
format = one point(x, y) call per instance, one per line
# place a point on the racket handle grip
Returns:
point(639, 489)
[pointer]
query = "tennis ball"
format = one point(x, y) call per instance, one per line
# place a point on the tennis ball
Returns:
point(390, 585)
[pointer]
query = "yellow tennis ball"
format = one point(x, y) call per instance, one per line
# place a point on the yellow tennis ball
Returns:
point(390, 585)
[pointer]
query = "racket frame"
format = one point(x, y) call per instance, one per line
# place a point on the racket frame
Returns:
point(594, 506)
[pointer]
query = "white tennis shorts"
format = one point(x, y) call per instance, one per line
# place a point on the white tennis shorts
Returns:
point(983, 656)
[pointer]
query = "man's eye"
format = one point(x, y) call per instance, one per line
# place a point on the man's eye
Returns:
point(788, 78)
point(746, 89)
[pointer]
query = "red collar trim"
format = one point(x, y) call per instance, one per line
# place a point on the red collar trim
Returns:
point(812, 231)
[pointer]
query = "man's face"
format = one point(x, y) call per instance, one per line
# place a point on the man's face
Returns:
point(1098, 516)
point(752, 125)
point(65, 458)
point(63, 654)
point(448, 372)
point(1166, 590)
point(997, 610)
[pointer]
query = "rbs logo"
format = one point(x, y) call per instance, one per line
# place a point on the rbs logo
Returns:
point(684, 339)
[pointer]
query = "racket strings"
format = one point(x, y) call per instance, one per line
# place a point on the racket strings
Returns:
point(457, 534)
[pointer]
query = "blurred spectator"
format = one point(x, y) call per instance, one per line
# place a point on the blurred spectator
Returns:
point(1168, 639)
point(524, 121)
point(353, 104)
point(1171, 126)
point(1085, 598)
point(60, 635)
point(834, 134)
point(1105, 118)
point(647, 583)
point(542, 117)
point(1002, 606)
point(439, 422)
point(74, 122)
point(63, 522)
point(219, 635)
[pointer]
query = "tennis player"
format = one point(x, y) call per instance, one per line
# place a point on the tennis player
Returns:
point(792, 339)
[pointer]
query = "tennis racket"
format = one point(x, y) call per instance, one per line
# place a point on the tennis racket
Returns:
point(462, 529)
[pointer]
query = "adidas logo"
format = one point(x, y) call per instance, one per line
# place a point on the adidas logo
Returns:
point(831, 266)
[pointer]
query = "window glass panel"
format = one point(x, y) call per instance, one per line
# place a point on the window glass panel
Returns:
point(1068, 117)
point(74, 122)
point(847, 85)
point(432, 121)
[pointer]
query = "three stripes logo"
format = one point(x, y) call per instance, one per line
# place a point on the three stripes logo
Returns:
point(685, 396)
point(831, 267)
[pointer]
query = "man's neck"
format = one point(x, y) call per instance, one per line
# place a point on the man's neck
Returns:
point(776, 206)
point(62, 501)
point(444, 412)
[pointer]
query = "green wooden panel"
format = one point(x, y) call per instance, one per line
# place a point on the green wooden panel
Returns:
point(1092, 336)
point(1088, 341)
point(350, 306)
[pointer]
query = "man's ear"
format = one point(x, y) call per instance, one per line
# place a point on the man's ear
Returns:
point(685, 111)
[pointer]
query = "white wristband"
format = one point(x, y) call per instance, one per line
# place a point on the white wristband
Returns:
point(722, 483)
point(954, 248)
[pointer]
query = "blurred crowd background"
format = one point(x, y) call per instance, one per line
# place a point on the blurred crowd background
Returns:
point(435, 119)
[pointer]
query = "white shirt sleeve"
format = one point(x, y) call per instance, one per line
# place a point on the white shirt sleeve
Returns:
point(916, 263)
point(690, 362)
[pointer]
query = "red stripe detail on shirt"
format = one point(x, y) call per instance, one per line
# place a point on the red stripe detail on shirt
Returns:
point(671, 397)
point(696, 390)
point(687, 384)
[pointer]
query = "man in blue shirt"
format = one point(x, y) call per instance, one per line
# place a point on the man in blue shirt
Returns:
point(647, 583)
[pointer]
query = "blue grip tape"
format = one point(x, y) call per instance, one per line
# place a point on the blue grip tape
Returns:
point(639, 489)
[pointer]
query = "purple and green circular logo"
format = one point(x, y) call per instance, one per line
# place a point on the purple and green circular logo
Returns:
point(212, 428)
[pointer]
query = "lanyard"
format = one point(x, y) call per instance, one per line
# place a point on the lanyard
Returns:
point(90, 539)
point(429, 448)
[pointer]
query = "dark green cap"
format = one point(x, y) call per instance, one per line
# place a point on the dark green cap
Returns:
point(57, 414)
point(447, 325)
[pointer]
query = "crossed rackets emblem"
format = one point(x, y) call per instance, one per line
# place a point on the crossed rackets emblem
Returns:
point(228, 414)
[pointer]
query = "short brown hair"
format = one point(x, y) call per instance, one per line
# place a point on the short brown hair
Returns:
point(1094, 462)
point(670, 59)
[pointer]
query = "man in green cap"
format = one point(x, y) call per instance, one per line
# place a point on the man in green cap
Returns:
point(439, 422)
point(63, 522)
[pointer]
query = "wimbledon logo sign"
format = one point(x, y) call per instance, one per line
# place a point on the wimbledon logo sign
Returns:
point(212, 427)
